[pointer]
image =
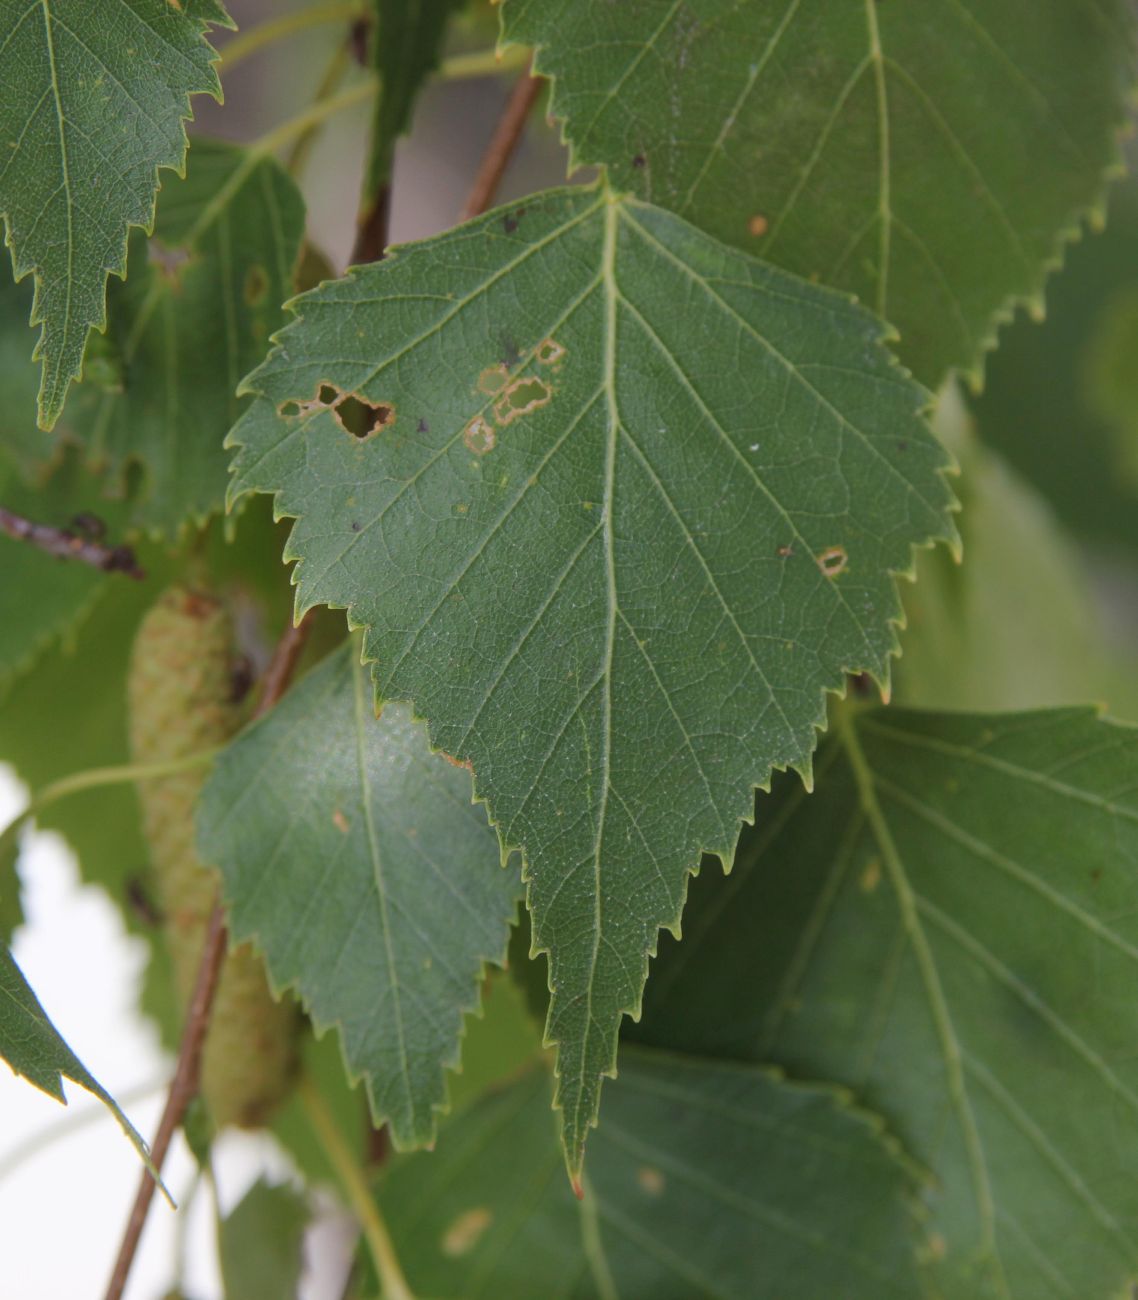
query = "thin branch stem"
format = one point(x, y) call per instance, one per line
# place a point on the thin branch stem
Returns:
point(184, 1085)
point(503, 143)
point(276, 29)
point(68, 544)
point(182, 1090)
point(360, 1199)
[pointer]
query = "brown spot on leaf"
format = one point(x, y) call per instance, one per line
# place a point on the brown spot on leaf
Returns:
point(340, 821)
point(833, 560)
point(550, 352)
point(640, 161)
point(466, 1231)
point(870, 877)
point(651, 1180)
point(758, 226)
point(479, 436)
point(256, 285)
point(785, 552)
point(492, 380)
point(522, 397)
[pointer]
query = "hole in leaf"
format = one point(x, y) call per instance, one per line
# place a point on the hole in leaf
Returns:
point(522, 397)
point(361, 419)
point(327, 395)
point(289, 409)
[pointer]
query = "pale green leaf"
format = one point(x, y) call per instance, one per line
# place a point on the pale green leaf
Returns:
point(930, 157)
point(704, 1179)
point(201, 298)
point(949, 926)
point(95, 99)
point(259, 1244)
point(356, 861)
point(632, 504)
point(32, 1046)
point(1014, 626)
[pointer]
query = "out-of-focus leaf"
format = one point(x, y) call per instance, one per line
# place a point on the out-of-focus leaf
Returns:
point(260, 1242)
point(202, 296)
point(95, 99)
point(704, 1178)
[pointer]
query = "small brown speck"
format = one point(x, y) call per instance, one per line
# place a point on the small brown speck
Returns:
point(758, 226)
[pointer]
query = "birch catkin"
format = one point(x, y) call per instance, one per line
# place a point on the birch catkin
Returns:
point(180, 704)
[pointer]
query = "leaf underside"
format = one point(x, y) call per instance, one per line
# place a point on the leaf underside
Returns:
point(95, 98)
point(931, 158)
point(630, 503)
point(704, 1179)
point(949, 927)
point(356, 861)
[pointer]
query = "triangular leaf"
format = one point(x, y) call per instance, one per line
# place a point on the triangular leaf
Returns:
point(930, 157)
point(95, 97)
point(32, 1046)
point(949, 926)
point(630, 504)
point(355, 859)
point(704, 1179)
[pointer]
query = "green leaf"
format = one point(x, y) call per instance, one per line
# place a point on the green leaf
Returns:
point(260, 1244)
point(405, 51)
point(949, 927)
point(32, 1046)
point(201, 298)
point(931, 158)
point(632, 503)
point(1014, 626)
point(95, 98)
point(704, 1179)
point(356, 862)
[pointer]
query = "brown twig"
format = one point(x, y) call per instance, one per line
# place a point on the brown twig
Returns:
point(502, 145)
point(371, 230)
point(69, 544)
point(184, 1085)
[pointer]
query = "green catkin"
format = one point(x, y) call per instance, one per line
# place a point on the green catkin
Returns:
point(181, 703)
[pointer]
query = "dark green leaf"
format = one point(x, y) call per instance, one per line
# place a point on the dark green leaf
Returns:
point(32, 1046)
point(95, 99)
point(930, 157)
point(260, 1244)
point(356, 861)
point(704, 1179)
point(631, 504)
point(201, 298)
point(949, 926)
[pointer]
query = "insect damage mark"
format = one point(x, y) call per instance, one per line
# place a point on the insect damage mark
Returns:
point(550, 352)
point(256, 286)
point(479, 436)
point(353, 413)
point(520, 398)
point(833, 561)
point(493, 379)
point(758, 226)
point(466, 1231)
